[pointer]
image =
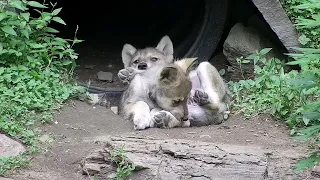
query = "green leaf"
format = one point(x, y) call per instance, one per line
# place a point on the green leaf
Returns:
point(35, 74)
point(222, 72)
point(59, 20)
point(66, 62)
point(36, 4)
point(112, 176)
point(56, 11)
point(245, 61)
point(18, 5)
point(305, 163)
point(1, 48)
point(21, 67)
point(306, 120)
point(51, 30)
point(265, 51)
point(25, 32)
point(9, 30)
point(2, 16)
point(77, 41)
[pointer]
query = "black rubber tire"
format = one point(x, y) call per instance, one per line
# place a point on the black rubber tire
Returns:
point(211, 30)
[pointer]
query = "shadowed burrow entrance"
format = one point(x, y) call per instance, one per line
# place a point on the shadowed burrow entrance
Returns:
point(195, 27)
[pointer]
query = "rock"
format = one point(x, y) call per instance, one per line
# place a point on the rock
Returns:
point(316, 171)
point(279, 22)
point(93, 99)
point(241, 42)
point(3, 178)
point(89, 66)
point(105, 76)
point(91, 169)
point(10, 147)
point(94, 162)
point(114, 109)
point(45, 138)
point(184, 159)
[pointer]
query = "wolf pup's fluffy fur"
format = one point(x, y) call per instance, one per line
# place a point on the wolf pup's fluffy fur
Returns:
point(145, 71)
point(166, 94)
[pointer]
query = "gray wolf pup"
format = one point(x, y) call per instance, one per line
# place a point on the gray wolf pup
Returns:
point(208, 98)
point(206, 103)
point(145, 71)
point(149, 100)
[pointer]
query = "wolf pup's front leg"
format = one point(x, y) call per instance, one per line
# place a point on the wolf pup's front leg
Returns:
point(126, 75)
point(141, 116)
point(164, 119)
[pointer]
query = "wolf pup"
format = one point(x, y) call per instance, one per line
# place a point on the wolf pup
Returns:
point(149, 100)
point(135, 103)
point(209, 96)
point(206, 101)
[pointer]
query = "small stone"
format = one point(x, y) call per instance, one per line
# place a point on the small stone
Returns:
point(10, 147)
point(114, 109)
point(91, 169)
point(248, 140)
point(205, 136)
point(93, 99)
point(316, 171)
point(45, 138)
point(3, 178)
point(105, 76)
point(89, 66)
point(191, 132)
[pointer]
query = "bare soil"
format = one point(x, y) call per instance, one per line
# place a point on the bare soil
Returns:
point(80, 129)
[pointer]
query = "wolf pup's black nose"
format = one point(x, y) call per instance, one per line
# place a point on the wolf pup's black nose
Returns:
point(184, 118)
point(142, 66)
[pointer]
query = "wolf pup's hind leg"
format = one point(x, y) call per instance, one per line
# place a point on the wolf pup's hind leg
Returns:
point(212, 83)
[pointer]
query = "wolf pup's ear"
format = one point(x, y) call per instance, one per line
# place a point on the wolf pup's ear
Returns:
point(186, 64)
point(166, 47)
point(168, 75)
point(127, 54)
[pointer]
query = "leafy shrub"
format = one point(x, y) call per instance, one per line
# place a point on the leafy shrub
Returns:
point(305, 14)
point(35, 67)
point(292, 97)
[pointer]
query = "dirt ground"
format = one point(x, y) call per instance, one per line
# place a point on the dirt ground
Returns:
point(80, 128)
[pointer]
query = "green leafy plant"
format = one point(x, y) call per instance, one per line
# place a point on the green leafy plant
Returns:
point(12, 162)
point(35, 68)
point(305, 14)
point(124, 167)
point(292, 97)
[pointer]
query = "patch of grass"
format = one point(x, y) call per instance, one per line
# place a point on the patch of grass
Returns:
point(9, 163)
point(124, 167)
point(35, 71)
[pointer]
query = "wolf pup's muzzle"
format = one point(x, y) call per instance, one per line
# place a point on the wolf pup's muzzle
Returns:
point(142, 66)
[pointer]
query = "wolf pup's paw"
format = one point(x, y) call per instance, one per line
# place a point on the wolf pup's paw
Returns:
point(201, 97)
point(126, 75)
point(162, 119)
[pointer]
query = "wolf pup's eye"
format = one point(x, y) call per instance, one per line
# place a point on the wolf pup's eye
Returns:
point(154, 59)
point(176, 102)
point(136, 61)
